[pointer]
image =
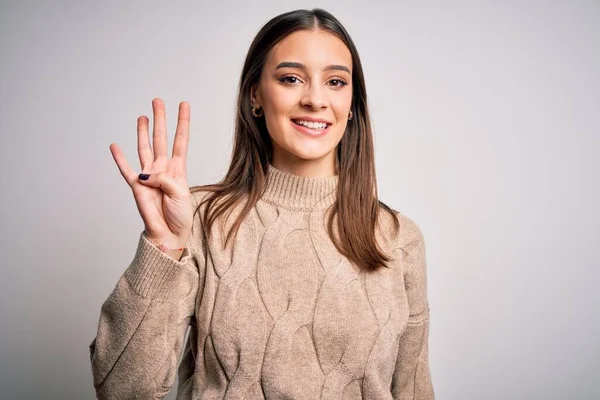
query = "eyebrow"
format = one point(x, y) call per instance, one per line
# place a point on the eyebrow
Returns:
point(330, 67)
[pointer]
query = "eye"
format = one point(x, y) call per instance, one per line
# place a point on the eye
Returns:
point(289, 79)
point(339, 83)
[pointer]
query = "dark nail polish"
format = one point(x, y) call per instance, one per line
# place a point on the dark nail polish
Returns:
point(144, 176)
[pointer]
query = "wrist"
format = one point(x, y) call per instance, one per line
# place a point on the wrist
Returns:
point(169, 244)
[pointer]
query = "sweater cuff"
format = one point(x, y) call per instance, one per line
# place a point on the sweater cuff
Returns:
point(152, 273)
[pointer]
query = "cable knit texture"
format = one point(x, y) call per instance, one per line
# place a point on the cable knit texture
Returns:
point(278, 314)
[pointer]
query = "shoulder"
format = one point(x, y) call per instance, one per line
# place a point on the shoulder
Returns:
point(205, 199)
point(408, 230)
point(198, 194)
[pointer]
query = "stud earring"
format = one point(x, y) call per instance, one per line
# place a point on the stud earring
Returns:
point(350, 116)
point(257, 112)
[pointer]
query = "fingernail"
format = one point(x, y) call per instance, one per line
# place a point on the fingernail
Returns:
point(144, 176)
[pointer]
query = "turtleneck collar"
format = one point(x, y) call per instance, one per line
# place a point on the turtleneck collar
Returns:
point(296, 192)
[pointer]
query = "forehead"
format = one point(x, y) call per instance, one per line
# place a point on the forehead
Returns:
point(314, 48)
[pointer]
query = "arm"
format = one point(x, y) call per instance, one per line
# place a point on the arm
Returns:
point(143, 323)
point(412, 377)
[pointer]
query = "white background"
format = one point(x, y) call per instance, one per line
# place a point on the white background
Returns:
point(486, 132)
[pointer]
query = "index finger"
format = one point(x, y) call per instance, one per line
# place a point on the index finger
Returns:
point(182, 132)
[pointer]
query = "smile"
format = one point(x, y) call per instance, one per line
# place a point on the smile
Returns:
point(311, 128)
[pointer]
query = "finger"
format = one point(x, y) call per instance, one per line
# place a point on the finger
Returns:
point(182, 133)
point(127, 173)
point(144, 149)
point(166, 183)
point(159, 132)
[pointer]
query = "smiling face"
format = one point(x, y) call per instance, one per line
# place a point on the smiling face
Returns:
point(307, 77)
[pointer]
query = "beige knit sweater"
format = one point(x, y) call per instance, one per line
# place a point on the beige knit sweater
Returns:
point(281, 314)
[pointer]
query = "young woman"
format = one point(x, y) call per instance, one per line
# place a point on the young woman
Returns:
point(294, 280)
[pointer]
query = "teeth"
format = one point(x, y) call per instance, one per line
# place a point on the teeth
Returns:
point(312, 125)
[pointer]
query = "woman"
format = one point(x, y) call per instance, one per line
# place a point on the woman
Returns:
point(294, 280)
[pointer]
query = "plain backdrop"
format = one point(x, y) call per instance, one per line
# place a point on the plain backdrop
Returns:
point(486, 124)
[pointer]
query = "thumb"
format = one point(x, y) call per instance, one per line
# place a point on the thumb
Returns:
point(163, 181)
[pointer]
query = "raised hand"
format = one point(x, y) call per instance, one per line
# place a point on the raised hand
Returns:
point(163, 200)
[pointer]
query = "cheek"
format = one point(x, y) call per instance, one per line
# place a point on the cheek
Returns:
point(342, 108)
point(280, 101)
point(346, 100)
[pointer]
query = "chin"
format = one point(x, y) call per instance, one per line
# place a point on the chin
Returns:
point(309, 153)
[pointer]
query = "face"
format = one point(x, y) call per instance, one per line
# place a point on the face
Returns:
point(306, 80)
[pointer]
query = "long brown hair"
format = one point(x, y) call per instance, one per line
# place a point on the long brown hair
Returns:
point(357, 206)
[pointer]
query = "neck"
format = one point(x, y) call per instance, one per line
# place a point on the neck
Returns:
point(298, 192)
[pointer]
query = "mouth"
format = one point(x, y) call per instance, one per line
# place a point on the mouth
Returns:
point(311, 128)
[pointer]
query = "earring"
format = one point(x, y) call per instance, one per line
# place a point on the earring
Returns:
point(350, 116)
point(257, 112)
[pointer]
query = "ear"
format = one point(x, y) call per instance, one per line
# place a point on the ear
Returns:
point(255, 96)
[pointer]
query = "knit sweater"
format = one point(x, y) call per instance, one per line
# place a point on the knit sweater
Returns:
point(280, 314)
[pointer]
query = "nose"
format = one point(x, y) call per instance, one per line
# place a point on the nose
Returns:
point(314, 97)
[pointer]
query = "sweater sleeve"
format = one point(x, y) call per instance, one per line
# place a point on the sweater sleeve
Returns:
point(143, 323)
point(412, 377)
